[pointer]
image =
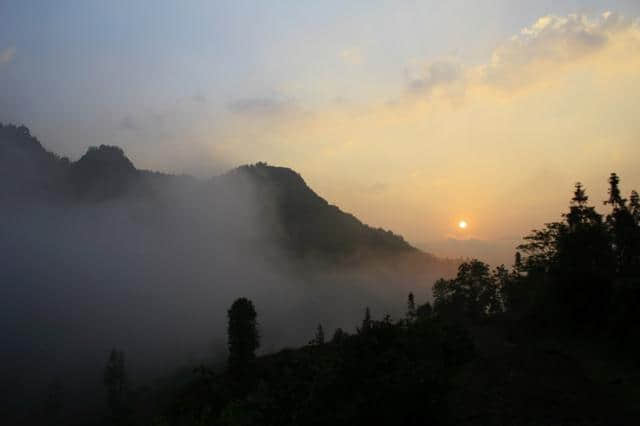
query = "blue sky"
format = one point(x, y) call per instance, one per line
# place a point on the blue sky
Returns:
point(93, 60)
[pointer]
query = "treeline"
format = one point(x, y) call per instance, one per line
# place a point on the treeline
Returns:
point(581, 275)
point(578, 275)
point(387, 372)
point(575, 278)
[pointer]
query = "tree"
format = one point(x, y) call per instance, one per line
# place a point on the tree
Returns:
point(572, 263)
point(541, 248)
point(580, 214)
point(319, 337)
point(623, 226)
point(115, 380)
point(366, 322)
point(634, 205)
point(339, 336)
point(473, 293)
point(517, 263)
point(634, 230)
point(411, 308)
point(615, 199)
point(242, 333)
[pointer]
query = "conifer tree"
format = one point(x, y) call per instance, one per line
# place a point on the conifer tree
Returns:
point(366, 322)
point(319, 338)
point(622, 226)
point(517, 263)
point(615, 199)
point(338, 336)
point(634, 206)
point(242, 333)
point(411, 308)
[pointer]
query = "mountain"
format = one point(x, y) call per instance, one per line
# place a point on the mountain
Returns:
point(97, 253)
point(102, 173)
point(305, 223)
point(26, 168)
point(311, 224)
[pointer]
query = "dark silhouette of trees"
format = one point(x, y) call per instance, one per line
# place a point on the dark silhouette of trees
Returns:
point(517, 263)
point(623, 225)
point(242, 333)
point(318, 338)
point(515, 293)
point(572, 264)
point(339, 335)
point(634, 205)
point(501, 332)
point(424, 312)
point(366, 321)
point(582, 273)
point(472, 294)
point(411, 308)
point(585, 264)
point(115, 380)
point(615, 199)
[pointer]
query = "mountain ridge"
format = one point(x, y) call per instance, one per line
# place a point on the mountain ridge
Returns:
point(310, 225)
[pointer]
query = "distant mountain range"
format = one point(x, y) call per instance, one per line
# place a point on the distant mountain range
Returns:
point(97, 253)
point(305, 223)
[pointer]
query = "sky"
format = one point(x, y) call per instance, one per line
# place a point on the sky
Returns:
point(413, 115)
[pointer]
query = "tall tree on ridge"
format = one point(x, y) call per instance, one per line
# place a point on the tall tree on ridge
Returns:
point(242, 333)
point(622, 225)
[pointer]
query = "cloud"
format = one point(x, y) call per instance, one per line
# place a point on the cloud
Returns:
point(553, 104)
point(7, 55)
point(261, 106)
point(551, 41)
point(549, 44)
point(426, 77)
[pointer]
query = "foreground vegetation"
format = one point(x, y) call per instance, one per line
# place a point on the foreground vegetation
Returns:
point(554, 340)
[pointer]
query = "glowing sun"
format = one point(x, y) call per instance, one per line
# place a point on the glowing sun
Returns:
point(463, 224)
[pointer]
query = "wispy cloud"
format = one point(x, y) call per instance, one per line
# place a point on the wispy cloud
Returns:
point(551, 41)
point(7, 55)
point(549, 44)
point(557, 96)
point(424, 77)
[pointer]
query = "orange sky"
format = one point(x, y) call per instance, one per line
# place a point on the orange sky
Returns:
point(410, 115)
point(498, 144)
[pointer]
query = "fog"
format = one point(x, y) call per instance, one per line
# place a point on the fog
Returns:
point(153, 273)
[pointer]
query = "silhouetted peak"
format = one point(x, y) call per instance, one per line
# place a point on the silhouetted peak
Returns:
point(283, 186)
point(26, 168)
point(103, 172)
point(107, 157)
point(282, 176)
point(16, 131)
point(19, 137)
point(309, 223)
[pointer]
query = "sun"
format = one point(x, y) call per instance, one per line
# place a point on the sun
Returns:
point(463, 224)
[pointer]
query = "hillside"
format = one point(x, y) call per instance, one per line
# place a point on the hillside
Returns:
point(306, 224)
